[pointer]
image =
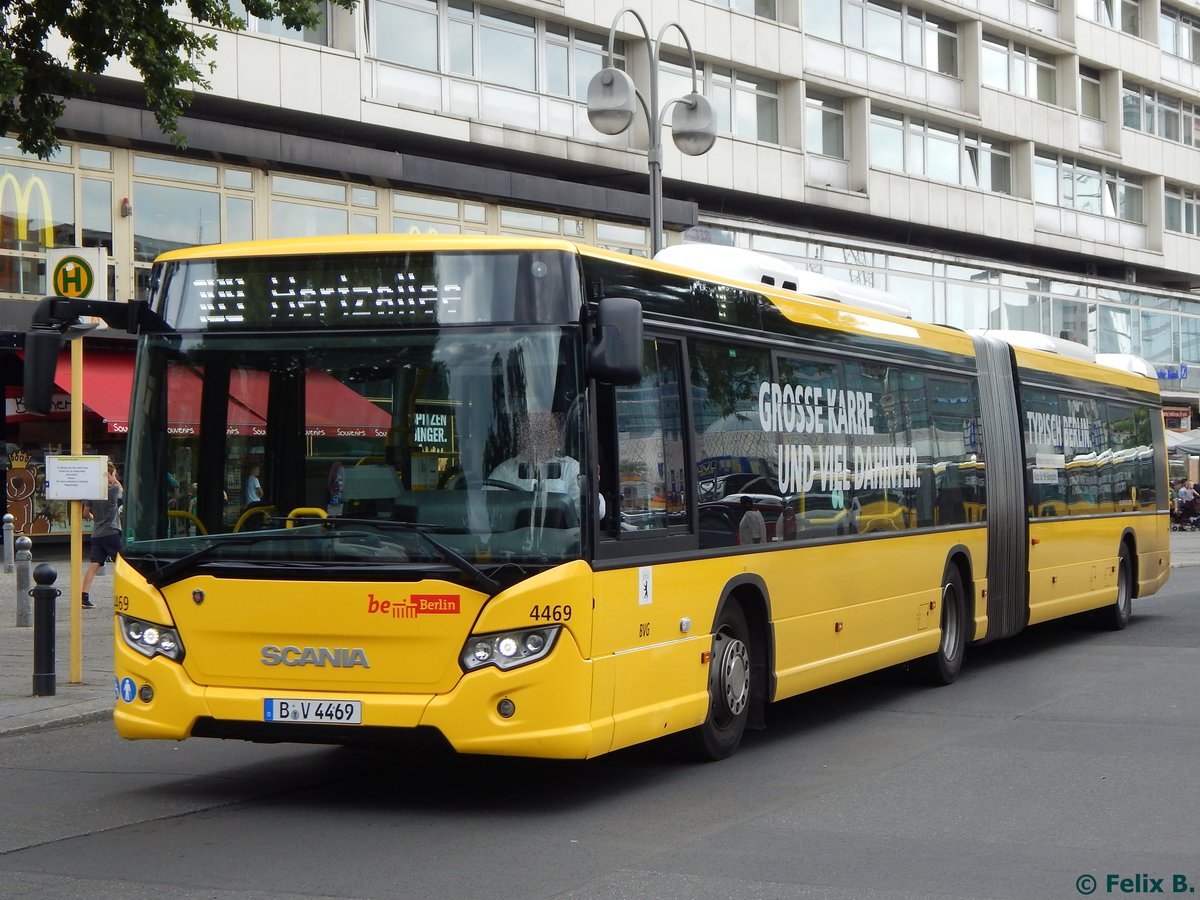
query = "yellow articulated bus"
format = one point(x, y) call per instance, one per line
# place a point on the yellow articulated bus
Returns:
point(490, 517)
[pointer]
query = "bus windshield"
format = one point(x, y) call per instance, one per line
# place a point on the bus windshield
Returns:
point(424, 447)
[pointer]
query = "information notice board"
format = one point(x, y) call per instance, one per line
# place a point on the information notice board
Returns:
point(76, 477)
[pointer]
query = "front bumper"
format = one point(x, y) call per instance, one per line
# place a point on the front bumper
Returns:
point(554, 714)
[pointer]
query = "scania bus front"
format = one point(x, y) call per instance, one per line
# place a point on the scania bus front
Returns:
point(415, 414)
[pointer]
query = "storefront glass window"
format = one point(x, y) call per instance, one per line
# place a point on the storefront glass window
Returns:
point(239, 219)
point(174, 169)
point(97, 215)
point(168, 218)
point(301, 220)
point(37, 209)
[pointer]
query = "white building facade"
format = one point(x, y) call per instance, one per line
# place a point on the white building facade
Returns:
point(1006, 163)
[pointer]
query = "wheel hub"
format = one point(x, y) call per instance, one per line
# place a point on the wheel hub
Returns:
point(734, 676)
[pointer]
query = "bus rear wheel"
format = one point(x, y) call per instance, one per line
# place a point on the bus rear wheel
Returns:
point(1116, 617)
point(944, 666)
point(729, 688)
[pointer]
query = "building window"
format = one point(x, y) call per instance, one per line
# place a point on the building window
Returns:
point(930, 42)
point(304, 206)
point(825, 126)
point(317, 34)
point(1158, 336)
point(521, 221)
point(1018, 69)
point(823, 19)
point(170, 213)
point(94, 158)
point(893, 30)
point(746, 106)
point(500, 46)
point(573, 57)
point(764, 9)
point(1189, 339)
point(1123, 14)
point(1131, 16)
point(987, 164)
point(406, 32)
point(492, 45)
point(1179, 34)
point(1153, 112)
point(1087, 187)
point(886, 138)
point(1089, 93)
point(418, 214)
point(633, 239)
point(1181, 210)
point(918, 147)
point(457, 37)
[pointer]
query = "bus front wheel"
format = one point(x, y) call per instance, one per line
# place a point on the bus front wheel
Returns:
point(729, 687)
point(943, 666)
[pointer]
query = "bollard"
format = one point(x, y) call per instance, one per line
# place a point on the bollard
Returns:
point(8, 542)
point(44, 596)
point(24, 566)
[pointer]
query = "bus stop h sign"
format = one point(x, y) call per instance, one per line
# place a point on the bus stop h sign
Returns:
point(80, 273)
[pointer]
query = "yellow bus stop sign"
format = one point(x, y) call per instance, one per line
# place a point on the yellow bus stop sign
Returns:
point(73, 277)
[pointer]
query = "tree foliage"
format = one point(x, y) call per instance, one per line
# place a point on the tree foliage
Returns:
point(157, 38)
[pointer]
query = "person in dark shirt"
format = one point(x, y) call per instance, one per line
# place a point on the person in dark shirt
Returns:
point(106, 531)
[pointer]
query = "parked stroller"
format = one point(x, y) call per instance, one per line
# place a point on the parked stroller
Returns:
point(1186, 516)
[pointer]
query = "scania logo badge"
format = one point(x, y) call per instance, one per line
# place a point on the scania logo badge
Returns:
point(197, 597)
point(337, 657)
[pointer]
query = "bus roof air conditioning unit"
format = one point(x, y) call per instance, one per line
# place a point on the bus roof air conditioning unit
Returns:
point(750, 266)
point(1127, 362)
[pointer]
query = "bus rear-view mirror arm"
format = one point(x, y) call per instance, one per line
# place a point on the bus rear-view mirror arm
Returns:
point(615, 355)
point(57, 319)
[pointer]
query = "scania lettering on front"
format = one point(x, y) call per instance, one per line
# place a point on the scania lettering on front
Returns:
point(291, 655)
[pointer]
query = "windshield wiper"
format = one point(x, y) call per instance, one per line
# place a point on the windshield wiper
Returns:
point(464, 565)
point(171, 571)
point(167, 573)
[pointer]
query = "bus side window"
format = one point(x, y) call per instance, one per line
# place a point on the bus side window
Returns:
point(651, 471)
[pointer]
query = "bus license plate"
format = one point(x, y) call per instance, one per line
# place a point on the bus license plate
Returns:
point(320, 712)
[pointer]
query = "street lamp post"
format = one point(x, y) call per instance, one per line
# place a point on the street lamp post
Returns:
point(612, 98)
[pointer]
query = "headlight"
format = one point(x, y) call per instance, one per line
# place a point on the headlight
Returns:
point(151, 640)
point(508, 649)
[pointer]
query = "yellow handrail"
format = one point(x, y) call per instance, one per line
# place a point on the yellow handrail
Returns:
point(265, 511)
point(302, 511)
point(190, 517)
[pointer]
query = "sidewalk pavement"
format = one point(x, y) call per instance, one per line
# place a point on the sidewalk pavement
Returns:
point(89, 701)
point(92, 699)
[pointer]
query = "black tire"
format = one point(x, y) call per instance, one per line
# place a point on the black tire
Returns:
point(729, 688)
point(944, 666)
point(1116, 617)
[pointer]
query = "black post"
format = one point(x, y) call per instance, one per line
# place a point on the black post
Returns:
point(44, 595)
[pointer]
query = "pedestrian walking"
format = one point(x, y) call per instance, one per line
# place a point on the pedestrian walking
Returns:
point(106, 531)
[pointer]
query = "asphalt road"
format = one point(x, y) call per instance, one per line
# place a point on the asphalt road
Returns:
point(1062, 755)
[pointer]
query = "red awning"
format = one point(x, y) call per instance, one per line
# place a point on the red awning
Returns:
point(183, 400)
point(107, 384)
point(331, 408)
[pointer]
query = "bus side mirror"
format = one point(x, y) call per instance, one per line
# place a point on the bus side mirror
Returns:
point(42, 346)
point(616, 354)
